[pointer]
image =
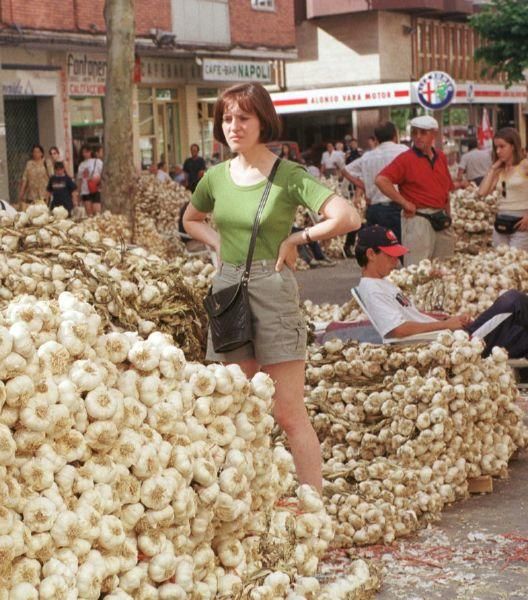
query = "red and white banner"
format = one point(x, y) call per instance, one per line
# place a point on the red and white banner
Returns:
point(357, 96)
point(389, 94)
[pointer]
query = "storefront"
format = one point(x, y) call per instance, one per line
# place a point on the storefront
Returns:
point(31, 112)
point(175, 104)
point(86, 77)
point(316, 116)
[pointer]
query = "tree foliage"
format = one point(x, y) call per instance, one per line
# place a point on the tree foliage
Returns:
point(503, 25)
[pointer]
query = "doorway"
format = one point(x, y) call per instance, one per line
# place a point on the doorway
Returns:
point(21, 119)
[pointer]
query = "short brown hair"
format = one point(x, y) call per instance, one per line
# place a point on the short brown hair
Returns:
point(510, 136)
point(252, 98)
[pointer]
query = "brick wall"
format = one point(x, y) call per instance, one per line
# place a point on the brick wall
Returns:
point(251, 27)
point(79, 15)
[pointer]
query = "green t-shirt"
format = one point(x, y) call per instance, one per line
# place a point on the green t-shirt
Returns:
point(234, 208)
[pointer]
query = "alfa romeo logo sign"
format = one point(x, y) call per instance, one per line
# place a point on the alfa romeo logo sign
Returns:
point(436, 90)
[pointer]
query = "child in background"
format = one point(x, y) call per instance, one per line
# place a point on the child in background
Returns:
point(62, 189)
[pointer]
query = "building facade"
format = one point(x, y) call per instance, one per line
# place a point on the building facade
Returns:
point(359, 61)
point(53, 73)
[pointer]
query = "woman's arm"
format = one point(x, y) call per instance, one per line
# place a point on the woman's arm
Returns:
point(339, 218)
point(489, 182)
point(195, 226)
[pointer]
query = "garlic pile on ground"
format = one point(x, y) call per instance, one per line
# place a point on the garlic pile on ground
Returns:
point(160, 201)
point(108, 225)
point(197, 272)
point(464, 283)
point(45, 254)
point(125, 469)
point(402, 428)
point(326, 312)
point(473, 219)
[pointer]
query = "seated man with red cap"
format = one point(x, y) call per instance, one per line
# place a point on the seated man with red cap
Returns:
point(393, 315)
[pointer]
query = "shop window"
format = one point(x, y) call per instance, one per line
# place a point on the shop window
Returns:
point(263, 4)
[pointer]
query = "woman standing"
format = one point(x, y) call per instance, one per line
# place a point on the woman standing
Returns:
point(509, 176)
point(35, 178)
point(245, 120)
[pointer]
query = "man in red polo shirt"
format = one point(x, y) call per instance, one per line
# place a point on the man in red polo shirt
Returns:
point(419, 181)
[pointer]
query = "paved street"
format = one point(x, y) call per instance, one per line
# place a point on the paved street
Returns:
point(470, 548)
point(329, 284)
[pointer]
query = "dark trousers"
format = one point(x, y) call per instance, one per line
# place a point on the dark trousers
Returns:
point(314, 248)
point(512, 333)
point(386, 215)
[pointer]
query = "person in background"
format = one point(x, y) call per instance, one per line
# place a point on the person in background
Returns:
point(162, 174)
point(54, 154)
point(245, 120)
point(35, 178)
point(340, 155)
point(354, 151)
point(330, 161)
point(286, 153)
point(313, 169)
point(381, 210)
point(509, 176)
point(91, 168)
point(62, 190)
point(177, 174)
point(419, 180)
point(474, 164)
point(452, 162)
point(371, 143)
point(194, 167)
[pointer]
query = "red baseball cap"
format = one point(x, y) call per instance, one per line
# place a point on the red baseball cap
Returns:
point(376, 236)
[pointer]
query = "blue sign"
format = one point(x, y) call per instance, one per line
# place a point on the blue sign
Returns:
point(436, 90)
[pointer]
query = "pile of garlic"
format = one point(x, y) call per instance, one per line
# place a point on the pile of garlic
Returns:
point(127, 471)
point(45, 254)
point(161, 202)
point(473, 219)
point(327, 312)
point(108, 225)
point(464, 283)
point(402, 428)
point(197, 272)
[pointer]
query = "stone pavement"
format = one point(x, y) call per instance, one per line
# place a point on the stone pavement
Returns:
point(479, 548)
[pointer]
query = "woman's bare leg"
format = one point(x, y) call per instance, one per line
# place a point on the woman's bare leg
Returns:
point(290, 413)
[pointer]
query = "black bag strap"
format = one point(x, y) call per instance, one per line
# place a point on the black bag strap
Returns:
point(260, 210)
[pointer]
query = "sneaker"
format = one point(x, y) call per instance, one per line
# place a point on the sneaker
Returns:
point(313, 264)
point(326, 262)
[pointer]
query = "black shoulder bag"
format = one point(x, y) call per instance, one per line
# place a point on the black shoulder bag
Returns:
point(228, 310)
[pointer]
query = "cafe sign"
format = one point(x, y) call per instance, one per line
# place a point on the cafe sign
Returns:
point(86, 74)
point(214, 69)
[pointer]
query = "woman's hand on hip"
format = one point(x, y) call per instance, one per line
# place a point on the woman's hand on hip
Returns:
point(287, 255)
point(522, 225)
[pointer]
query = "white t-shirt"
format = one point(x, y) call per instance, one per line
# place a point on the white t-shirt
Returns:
point(91, 167)
point(333, 160)
point(163, 176)
point(387, 307)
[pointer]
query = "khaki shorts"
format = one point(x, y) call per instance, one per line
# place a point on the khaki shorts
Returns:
point(423, 241)
point(279, 329)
